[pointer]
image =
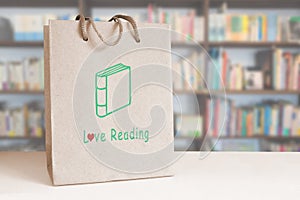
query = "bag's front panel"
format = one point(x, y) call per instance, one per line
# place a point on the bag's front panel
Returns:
point(111, 107)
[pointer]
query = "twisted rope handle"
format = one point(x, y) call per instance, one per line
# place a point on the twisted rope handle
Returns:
point(116, 19)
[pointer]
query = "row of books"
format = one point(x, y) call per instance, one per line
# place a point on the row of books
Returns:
point(188, 126)
point(274, 69)
point(266, 119)
point(261, 27)
point(189, 73)
point(30, 27)
point(223, 73)
point(222, 26)
point(281, 69)
point(26, 121)
point(188, 26)
point(193, 73)
point(22, 75)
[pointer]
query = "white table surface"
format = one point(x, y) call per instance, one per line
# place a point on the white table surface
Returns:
point(219, 176)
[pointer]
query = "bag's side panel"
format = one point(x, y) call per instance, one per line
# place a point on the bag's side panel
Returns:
point(47, 102)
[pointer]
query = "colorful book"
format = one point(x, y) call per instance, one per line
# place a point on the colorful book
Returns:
point(3, 76)
point(287, 118)
point(271, 27)
point(294, 32)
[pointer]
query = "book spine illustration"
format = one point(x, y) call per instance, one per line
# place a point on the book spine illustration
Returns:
point(101, 94)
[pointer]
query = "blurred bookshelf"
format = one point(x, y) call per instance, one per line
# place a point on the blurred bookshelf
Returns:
point(21, 44)
point(200, 11)
point(21, 71)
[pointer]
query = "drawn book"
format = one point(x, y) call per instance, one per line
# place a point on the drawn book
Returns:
point(112, 89)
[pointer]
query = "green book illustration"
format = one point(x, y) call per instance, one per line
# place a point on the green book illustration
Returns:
point(112, 89)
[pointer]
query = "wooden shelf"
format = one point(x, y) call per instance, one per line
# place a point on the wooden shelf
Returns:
point(176, 44)
point(241, 137)
point(259, 92)
point(279, 138)
point(21, 44)
point(188, 138)
point(21, 138)
point(254, 44)
point(197, 92)
point(40, 44)
point(144, 3)
point(257, 3)
point(25, 92)
point(240, 92)
point(39, 3)
point(283, 138)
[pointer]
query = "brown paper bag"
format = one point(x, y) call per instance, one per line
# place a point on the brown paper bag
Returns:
point(108, 104)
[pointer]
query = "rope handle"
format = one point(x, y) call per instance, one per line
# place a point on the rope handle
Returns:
point(116, 19)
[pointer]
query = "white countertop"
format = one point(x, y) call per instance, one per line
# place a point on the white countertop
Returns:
point(229, 176)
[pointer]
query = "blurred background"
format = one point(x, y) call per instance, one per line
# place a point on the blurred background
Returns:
point(254, 58)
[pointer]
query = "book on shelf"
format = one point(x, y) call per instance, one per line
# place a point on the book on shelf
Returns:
point(3, 76)
point(17, 122)
point(16, 78)
point(268, 118)
point(294, 28)
point(215, 121)
point(256, 27)
point(35, 120)
point(25, 121)
point(25, 75)
point(33, 73)
point(188, 126)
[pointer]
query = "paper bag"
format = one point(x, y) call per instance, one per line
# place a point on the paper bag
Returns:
point(108, 106)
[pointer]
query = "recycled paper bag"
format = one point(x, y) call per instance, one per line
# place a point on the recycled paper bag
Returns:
point(108, 98)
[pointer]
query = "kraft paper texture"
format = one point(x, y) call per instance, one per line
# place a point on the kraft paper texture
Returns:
point(73, 70)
